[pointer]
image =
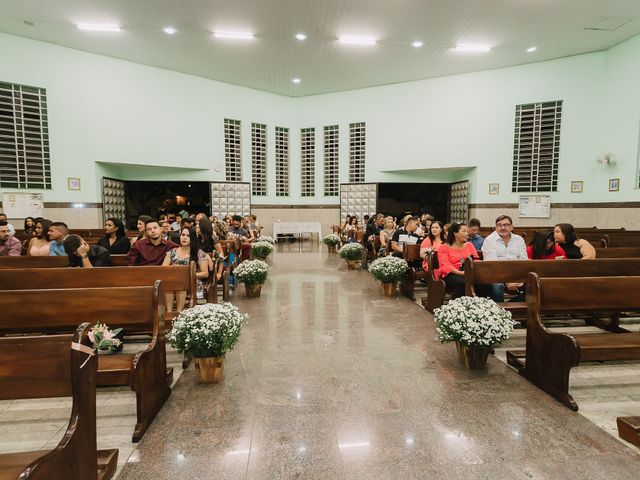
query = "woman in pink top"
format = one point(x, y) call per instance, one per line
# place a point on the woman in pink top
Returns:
point(451, 257)
point(432, 242)
point(39, 244)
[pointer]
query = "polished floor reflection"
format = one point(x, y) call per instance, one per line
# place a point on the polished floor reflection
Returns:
point(331, 380)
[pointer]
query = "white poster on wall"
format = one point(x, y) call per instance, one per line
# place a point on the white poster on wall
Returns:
point(22, 205)
point(535, 206)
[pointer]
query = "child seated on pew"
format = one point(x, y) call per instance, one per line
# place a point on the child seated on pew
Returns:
point(187, 252)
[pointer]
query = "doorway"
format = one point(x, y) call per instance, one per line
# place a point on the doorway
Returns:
point(399, 199)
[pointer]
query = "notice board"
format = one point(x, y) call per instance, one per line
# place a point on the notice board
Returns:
point(22, 205)
point(535, 206)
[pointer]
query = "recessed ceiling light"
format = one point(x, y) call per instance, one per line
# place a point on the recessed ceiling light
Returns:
point(235, 35)
point(532, 49)
point(169, 30)
point(301, 36)
point(465, 47)
point(296, 80)
point(417, 44)
point(99, 28)
point(354, 40)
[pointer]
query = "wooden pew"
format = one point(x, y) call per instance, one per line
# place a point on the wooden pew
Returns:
point(629, 429)
point(39, 367)
point(132, 308)
point(34, 262)
point(551, 355)
point(436, 288)
point(516, 271)
point(411, 253)
point(618, 252)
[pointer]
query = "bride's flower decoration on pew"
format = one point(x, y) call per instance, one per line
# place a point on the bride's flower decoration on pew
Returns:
point(104, 340)
point(476, 324)
point(261, 249)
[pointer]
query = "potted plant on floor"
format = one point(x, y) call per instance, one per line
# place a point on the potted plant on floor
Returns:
point(261, 250)
point(206, 332)
point(332, 241)
point(476, 324)
point(253, 273)
point(266, 238)
point(389, 270)
point(352, 253)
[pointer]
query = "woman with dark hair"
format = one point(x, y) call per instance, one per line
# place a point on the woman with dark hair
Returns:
point(188, 251)
point(115, 239)
point(574, 247)
point(209, 242)
point(432, 241)
point(141, 225)
point(29, 226)
point(452, 255)
point(39, 245)
point(543, 247)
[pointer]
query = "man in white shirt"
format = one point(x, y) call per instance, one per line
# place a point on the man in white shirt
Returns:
point(503, 244)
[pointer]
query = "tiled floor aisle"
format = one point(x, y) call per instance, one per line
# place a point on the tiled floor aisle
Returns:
point(331, 380)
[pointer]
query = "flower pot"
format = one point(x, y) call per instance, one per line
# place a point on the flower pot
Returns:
point(351, 264)
point(389, 289)
point(253, 289)
point(332, 248)
point(473, 357)
point(209, 369)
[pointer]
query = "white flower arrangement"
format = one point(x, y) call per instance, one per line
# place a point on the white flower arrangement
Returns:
point(266, 238)
point(252, 271)
point(261, 249)
point(208, 330)
point(351, 251)
point(389, 269)
point(332, 240)
point(473, 321)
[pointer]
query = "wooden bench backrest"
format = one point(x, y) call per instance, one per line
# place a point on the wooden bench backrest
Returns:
point(34, 262)
point(41, 366)
point(176, 277)
point(119, 260)
point(497, 271)
point(618, 252)
point(60, 310)
point(411, 252)
point(598, 294)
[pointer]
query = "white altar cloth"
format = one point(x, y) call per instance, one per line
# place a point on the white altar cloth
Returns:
point(296, 228)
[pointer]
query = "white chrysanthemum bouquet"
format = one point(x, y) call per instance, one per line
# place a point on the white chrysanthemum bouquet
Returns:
point(389, 269)
point(252, 271)
point(332, 240)
point(351, 251)
point(261, 249)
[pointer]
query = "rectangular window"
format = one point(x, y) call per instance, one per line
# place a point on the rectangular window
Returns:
point(357, 140)
point(258, 159)
point(536, 147)
point(282, 162)
point(308, 162)
point(24, 137)
point(331, 161)
point(232, 158)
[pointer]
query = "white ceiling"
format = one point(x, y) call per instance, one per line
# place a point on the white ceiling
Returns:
point(274, 57)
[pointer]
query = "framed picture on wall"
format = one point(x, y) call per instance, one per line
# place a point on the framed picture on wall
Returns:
point(614, 184)
point(494, 188)
point(73, 183)
point(576, 186)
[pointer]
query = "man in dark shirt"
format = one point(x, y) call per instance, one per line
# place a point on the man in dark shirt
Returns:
point(81, 254)
point(374, 228)
point(406, 234)
point(152, 249)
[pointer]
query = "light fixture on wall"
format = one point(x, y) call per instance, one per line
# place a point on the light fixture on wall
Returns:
point(531, 49)
point(416, 44)
point(301, 36)
point(235, 35)
point(296, 80)
point(607, 159)
point(355, 40)
point(467, 47)
point(169, 30)
point(98, 27)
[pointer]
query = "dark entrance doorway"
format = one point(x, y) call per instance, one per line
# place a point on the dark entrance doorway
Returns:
point(154, 198)
point(398, 199)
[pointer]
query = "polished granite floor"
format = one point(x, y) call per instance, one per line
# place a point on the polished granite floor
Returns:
point(330, 380)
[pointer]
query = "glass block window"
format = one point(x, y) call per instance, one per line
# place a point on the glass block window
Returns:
point(232, 157)
point(282, 162)
point(308, 163)
point(331, 161)
point(536, 148)
point(357, 142)
point(258, 159)
point(24, 137)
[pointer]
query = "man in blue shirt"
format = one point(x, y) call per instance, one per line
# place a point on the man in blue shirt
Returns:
point(58, 232)
point(474, 236)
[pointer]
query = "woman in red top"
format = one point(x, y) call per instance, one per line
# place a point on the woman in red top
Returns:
point(432, 242)
point(451, 257)
point(544, 247)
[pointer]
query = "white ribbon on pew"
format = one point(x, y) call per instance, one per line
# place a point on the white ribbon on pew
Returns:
point(84, 349)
